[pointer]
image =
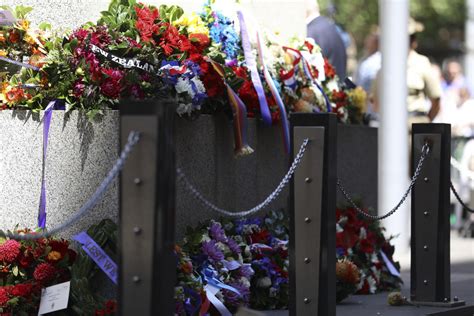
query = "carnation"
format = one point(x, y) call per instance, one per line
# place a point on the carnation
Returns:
point(44, 272)
point(9, 251)
point(4, 297)
point(22, 290)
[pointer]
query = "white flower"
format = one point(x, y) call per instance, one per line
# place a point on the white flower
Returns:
point(198, 85)
point(363, 233)
point(182, 85)
point(264, 282)
point(339, 228)
point(332, 85)
point(372, 284)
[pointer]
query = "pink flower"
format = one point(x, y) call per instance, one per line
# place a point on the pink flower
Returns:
point(78, 88)
point(9, 251)
point(113, 74)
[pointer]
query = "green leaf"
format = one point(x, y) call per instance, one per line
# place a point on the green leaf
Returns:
point(44, 26)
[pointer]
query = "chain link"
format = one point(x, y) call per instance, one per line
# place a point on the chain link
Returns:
point(424, 152)
point(133, 139)
point(284, 182)
point(459, 198)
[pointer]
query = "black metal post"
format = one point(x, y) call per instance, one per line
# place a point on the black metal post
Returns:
point(312, 216)
point(430, 211)
point(147, 211)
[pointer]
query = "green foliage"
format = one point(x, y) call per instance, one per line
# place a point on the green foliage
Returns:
point(84, 300)
point(443, 20)
point(20, 11)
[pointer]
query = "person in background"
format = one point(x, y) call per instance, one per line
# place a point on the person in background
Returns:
point(324, 32)
point(422, 83)
point(454, 84)
point(369, 67)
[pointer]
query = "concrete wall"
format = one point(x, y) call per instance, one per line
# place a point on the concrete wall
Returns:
point(81, 153)
point(285, 17)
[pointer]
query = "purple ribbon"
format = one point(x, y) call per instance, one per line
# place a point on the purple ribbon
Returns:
point(252, 66)
point(18, 63)
point(98, 255)
point(46, 124)
point(53, 105)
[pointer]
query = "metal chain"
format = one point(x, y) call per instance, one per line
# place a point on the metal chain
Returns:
point(424, 152)
point(459, 198)
point(206, 203)
point(133, 139)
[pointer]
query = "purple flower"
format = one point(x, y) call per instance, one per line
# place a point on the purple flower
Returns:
point(234, 299)
point(246, 271)
point(233, 246)
point(217, 233)
point(210, 249)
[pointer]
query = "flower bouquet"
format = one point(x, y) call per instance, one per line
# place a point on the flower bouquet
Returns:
point(267, 240)
point(220, 261)
point(363, 243)
point(28, 266)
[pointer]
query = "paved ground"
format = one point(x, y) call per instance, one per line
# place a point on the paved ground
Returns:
point(462, 285)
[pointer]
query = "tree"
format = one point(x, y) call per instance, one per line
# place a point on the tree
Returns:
point(443, 20)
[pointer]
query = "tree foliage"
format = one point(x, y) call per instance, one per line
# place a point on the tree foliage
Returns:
point(443, 21)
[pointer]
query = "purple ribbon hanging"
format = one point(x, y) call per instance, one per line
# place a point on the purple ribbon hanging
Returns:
point(98, 255)
point(48, 112)
point(254, 75)
point(46, 124)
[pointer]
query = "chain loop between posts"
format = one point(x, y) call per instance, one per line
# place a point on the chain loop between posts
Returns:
point(456, 194)
point(133, 139)
point(424, 152)
point(273, 196)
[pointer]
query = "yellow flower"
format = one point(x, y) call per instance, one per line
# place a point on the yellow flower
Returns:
point(23, 25)
point(3, 53)
point(193, 23)
point(358, 98)
point(54, 256)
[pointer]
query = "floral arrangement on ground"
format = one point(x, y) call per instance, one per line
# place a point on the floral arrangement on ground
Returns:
point(28, 266)
point(246, 262)
point(140, 51)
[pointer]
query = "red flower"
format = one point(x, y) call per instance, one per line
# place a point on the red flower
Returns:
point(14, 36)
point(260, 237)
point(200, 41)
point(4, 296)
point(25, 260)
point(171, 40)
point(329, 69)
point(366, 246)
point(23, 290)
point(249, 96)
point(110, 88)
point(9, 250)
point(44, 272)
point(146, 23)
point(365, 288)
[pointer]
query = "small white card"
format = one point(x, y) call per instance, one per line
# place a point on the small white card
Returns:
point(54, 298)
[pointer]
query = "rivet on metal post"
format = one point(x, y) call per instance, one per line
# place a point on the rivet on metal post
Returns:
point(306, 300)
point(137, 181)
point(307, 220)
point(426, 213)
point(445, 300)
point(136, 279)
point(137, 230)
point(425, 282)
point(456, 298)
point(425, 247)
point(426, 179)
point(308, 180)
point(307, 260)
